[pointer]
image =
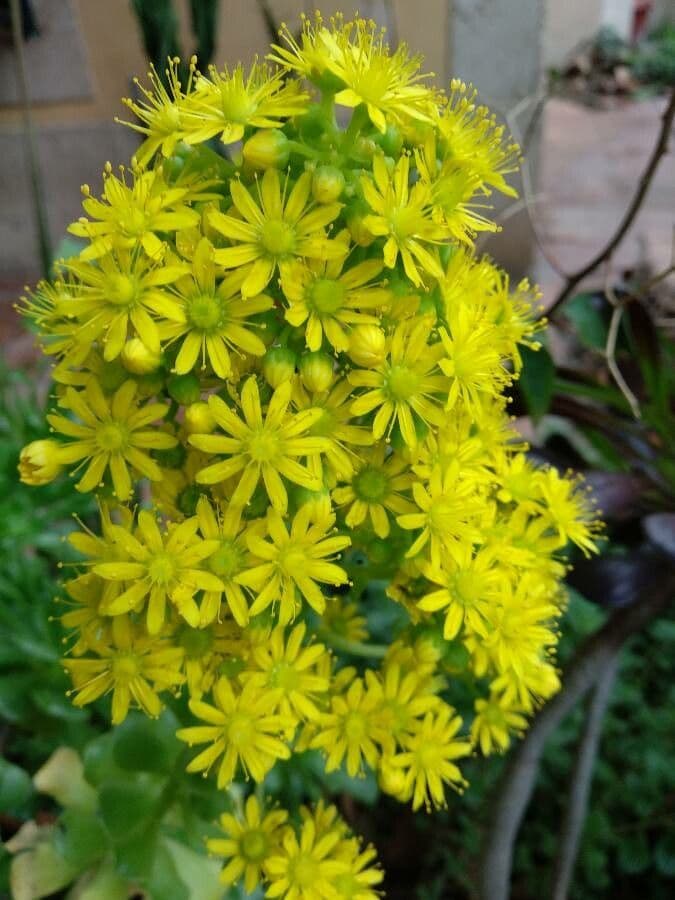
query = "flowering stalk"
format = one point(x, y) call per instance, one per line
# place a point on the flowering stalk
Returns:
point(299, 357)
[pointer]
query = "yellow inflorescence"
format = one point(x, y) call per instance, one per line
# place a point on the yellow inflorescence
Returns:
point(282, 369)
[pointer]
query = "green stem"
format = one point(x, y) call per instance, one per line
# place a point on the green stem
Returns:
point(358, 120)
point(353, 648)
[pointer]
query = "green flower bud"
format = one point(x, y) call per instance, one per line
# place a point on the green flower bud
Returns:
point(278, 365)
point(327, 184)
point(184, 389)
point(39, 462)
point(138, 359)
point(267, 149)
point(199, 419)
point(316, 371)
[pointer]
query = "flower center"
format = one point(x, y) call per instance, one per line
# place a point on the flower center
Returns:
point(401, 383)
point(122, 290)
point(263, 446)
point(226, 561)
point(240, 730)
point(292, 560)
point(134, 222)
point(205, 312)
point(112, 436)
point(326, 296)
point(162, 569)
point(253, 845)
point(370, 484)
point(167, 119)
point(355, 726)
point(304, 871)
point(468, 588)
point(284, 676)
point(236, 104)
point(125, 667)
point(277, 238)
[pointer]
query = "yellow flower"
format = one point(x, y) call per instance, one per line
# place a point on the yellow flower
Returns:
point(569, 509)
point(428, 758)
point(161, 111)
point(123, 288)
point(352, 729)
point(160, 567)
point(305, 869)
point(472, 361)
point(375, 488)
point(329, 301)
point(128, 216)
point(212, 319)
point(449, 507)
point(334, 424)
point(250, 840)
point(264, 449)
point(286, 669)
point(275, 231)
point(241, 729)
point(133, 666)
point(227, 102)
point(363, 875)
point(111, 434)
point(473, 140)
point(494, 723)
point(294, 564)
point(402, 215)
point(389, 84)
point(405, 386)
point(468, 584)
point(230, 558)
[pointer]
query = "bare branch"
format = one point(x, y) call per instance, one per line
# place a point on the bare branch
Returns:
point(659, 151)
point(580, 781)
point(517, 783)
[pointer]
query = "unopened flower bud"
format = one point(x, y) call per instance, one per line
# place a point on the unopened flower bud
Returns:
point(316, 371)
point(278, 365)
point(39, 462)
point(391, 779)
point(327, 184)
point(267, 149)
point(367, 346)
point(199, 419)
point(359, 232)
point(138, 359)
point(184, 389)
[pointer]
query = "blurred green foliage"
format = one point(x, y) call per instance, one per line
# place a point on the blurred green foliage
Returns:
point(159, 24)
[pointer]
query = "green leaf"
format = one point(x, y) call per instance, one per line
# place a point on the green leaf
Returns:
point(664, 855)
point(128, 806)
point(199, 873)
point(585, 312)
point(165, 880)
point(83, 839)
point(634, 854)
point(536, 380)
point(16, 787)
point(147, 745)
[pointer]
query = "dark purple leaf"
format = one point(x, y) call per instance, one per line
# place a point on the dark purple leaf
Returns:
point(660, 529)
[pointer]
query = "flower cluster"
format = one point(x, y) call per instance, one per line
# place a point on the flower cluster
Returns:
point(281, 366)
